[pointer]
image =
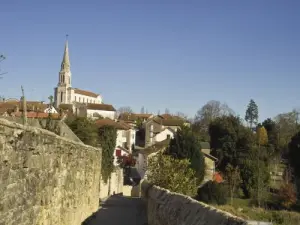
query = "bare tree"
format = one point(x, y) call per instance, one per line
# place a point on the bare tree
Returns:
point(210, 111)
point(2, 57)
point(124, 109)
point(167, 111)
point(182, 115)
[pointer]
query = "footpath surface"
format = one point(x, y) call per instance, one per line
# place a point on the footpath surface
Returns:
point(119, 210)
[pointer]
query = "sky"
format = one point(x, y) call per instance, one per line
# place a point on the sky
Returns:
point(157, 54)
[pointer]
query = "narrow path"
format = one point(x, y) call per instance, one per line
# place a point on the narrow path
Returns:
point(119, 210)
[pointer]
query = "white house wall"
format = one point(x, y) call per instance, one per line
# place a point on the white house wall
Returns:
point(103, 113)
point(163, 135)
point(121, 137)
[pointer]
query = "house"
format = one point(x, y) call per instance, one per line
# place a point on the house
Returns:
point(125, 136)
point(94, 111)
point(158, 129)
point(210, 161)
point(133, 118)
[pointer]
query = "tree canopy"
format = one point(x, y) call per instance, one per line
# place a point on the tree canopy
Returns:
point(185, 145)
point(252, 113)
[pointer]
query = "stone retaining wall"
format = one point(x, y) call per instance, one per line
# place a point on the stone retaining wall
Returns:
point(46, 179)
point(169, 208)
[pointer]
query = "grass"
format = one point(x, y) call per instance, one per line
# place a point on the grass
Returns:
point(242, 208)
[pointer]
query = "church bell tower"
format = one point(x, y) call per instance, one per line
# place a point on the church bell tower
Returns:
point(63, 90)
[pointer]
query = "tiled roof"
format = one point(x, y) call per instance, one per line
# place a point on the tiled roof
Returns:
point(111, 123)
point(134, 116)
point(104, 107)
point(39, 115)
point(86, 93)
point(169, 122)
point(31, 106)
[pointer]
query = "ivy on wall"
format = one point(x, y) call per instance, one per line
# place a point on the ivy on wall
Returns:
point(107, 140)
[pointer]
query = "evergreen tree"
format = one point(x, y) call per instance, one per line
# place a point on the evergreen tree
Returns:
point(252, 113)
point(185, 145)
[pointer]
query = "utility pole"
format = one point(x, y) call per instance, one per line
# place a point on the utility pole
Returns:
point(24, 114)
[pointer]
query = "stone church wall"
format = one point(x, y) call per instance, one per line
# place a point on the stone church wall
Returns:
point(46, 179)
point(169, 208)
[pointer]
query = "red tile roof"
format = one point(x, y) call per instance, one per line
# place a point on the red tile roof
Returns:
point(38, 115)
point(111, 123)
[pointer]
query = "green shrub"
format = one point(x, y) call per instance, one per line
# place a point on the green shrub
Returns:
point(172, 174)
point(212, 193)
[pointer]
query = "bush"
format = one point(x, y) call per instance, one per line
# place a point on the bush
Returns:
point(287, 195)
point(212, 193)
point(172, 174)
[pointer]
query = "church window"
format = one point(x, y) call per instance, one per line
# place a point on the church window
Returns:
point(61, 96)
point(63, 78)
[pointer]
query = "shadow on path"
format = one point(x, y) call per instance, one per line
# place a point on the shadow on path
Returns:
point(119, 210)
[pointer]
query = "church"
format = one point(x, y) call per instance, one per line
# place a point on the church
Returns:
point(65, 94)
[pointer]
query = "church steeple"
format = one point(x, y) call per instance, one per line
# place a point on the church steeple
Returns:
point(65, 65)
point(65, 72)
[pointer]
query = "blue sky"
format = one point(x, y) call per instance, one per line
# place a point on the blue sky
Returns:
point(157, 54)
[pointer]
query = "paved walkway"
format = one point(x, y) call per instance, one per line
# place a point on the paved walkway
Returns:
point(119, 210)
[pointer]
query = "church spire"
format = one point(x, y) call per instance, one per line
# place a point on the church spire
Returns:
point(65, 65)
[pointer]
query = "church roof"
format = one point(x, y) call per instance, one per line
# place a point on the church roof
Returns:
point(104, 107)
point(65, 65)
point(86, 93)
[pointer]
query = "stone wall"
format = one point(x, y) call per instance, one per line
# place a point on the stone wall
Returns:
point(168, 208)
point(46, 179)
point(113, 186)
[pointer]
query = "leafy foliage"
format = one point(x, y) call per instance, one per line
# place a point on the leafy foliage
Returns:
point(294, 153)
point(172, 174)
point(213, 193)
point(85, 129)
point(252, 113)
point(185, 145)
point(107, 141)
point(230, 140)
point(255, 176)
point(262, 135)
point(287, 195)
point(272, 131)
point(233, 179)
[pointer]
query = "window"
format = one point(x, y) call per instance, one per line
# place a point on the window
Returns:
point(61, 97)
point(168, 136)
point(75, 98)
point(118, 152)
point(79, 99)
